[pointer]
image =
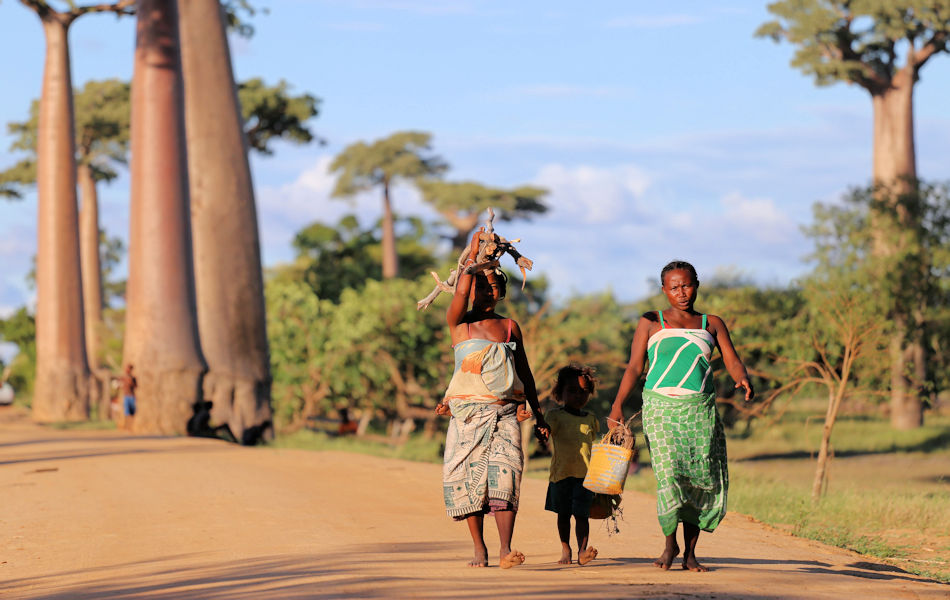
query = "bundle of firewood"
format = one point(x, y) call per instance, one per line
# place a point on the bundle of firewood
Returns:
point(491, 247)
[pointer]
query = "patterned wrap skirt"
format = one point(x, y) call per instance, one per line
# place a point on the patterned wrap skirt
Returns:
point(688, 452)
point(483, 461)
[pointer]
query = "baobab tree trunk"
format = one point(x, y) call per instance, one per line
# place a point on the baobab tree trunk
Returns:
point(895, 167)
point(390, 256)
point(62, 373)
point(92, 288)
point(229, 284)
point(161, 332)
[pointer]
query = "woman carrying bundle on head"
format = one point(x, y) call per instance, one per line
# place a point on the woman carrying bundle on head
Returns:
point(685, 436)
point(483, 460)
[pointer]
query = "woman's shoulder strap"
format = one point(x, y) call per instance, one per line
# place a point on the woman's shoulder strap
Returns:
point(508, 339)
point(660, 312)
point(704, 320)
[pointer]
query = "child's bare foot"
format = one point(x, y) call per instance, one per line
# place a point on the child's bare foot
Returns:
point(691, 564)
point(512, 559)
point(586, 555)
point(566, 556)
point(666, 559)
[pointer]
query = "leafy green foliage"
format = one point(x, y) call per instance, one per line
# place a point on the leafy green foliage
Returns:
point(404, 155)
point(912, 277)
point(332, 259)
point(859, 41)
point(461, 203)
point(372, 350)
point(20, 329)
point(270, 112)
point(102, 135)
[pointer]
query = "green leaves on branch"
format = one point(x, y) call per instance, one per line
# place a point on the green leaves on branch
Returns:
point(402, 155)
point(270, 112)
point(102, 134)
point(461, 204)
point(860, 41)
point(332, 259)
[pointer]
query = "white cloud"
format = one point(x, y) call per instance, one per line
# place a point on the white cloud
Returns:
point(593, 195)
point(758, 217)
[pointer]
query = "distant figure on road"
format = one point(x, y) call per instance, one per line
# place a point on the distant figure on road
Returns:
point(128, 385)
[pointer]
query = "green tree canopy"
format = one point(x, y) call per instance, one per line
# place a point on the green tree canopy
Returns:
point(865, 42)
point(361, 167)
point(331, 259)
point(270, 112)
point(102, 134)
point(403, 155)
point(461, 203)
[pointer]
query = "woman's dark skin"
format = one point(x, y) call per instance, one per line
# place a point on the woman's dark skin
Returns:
point(482, 322)
point(680, 289)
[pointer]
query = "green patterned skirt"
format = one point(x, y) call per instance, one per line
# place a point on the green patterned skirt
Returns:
point(688, 454)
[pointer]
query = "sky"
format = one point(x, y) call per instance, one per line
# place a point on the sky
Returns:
point(661, 131)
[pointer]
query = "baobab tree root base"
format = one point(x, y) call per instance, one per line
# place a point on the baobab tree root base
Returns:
point(242, 404)
point(62, 394)
point(165, 400)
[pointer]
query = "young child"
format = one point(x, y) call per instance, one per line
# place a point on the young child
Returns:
point(572, 433)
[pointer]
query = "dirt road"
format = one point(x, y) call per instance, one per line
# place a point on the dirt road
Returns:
point(102, 515)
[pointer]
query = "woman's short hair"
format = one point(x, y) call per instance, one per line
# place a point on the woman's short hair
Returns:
point(678, 264)
point(571, 373)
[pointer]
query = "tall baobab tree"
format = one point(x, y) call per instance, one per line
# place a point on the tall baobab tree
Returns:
point(880, 46)
point(227, 258)
point(403, 155)
point(62, 375)
point(101, 113)
point(161, 331)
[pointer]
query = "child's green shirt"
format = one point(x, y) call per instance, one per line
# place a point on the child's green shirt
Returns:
point(571, 437)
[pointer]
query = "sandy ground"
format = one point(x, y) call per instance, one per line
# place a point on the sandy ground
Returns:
point(102, 515)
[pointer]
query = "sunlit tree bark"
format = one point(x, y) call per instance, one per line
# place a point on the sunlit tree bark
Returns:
point(161, 328)
point(229, 284)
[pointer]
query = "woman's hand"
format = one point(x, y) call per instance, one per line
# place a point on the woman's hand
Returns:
point(615, 416)
point(749, 392)
point(442, 409)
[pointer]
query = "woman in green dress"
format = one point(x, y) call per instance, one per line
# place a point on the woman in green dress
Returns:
point(680, 420)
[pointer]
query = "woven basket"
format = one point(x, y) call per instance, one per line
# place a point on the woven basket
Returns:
point(607, 470)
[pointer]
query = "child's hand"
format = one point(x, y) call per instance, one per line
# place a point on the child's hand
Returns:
point(442, 409)
point(523, 413)
point(542, 430)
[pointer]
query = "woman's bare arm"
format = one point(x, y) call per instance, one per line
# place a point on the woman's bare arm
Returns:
point(730, 357)
point(631, 375)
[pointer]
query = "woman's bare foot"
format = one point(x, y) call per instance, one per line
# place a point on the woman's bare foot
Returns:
point(666, 559)
point(586, 555)
point(481, 558)
point(566, 556)
point(512, 559)
point(691, 564)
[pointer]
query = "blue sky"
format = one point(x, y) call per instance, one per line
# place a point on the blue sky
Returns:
point(660, 132)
